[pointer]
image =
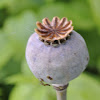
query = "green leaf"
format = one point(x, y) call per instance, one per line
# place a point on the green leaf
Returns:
point(6, 50)
point(16, 6)
point(98, 65)
point(25, 68)
point(84, 88)
point(78, 12)
point(0, 92)
point(92, 39)
point(18, 29)
point(3, 2)
point(12, 67)
point(28, 92)
point(20, 78)
point(95, 8)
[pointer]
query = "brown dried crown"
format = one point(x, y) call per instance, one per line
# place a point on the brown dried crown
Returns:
point(55, 30)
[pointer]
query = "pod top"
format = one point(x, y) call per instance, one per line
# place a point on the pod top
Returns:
point(54, 31)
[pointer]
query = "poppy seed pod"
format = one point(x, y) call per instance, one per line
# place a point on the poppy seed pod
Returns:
point(56, 53)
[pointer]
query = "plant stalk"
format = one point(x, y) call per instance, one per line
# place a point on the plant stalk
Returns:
point(61, 95)
point(61, 92)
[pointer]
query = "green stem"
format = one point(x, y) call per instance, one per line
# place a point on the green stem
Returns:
point(60, 91)
point(61, 95)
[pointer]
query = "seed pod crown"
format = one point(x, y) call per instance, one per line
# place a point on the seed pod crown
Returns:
point(56, 30)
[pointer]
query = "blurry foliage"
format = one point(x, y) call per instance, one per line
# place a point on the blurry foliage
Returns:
point(5, 90)
point(16, 6)
point(94, 5)
point(17, 23)
point(3, 15)
point(18, 29)
point(81, 17)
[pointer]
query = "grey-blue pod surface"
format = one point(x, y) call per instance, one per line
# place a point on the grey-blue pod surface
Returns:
point(57, 65)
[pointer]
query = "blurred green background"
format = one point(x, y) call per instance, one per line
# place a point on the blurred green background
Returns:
point(17, 23)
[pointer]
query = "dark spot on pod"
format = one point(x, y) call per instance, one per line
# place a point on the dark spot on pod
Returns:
point(42, 82)
point(41, 79)
point(50, 78)
point(67, 38)
point(41, 39)
point(62, 41)
point(71, 33)
point(74, 53)
point(55, 42)
point(49, 61)
point(87, 58)
point(47, 42)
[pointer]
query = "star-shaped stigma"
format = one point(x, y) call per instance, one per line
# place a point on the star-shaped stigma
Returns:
point(55, 30)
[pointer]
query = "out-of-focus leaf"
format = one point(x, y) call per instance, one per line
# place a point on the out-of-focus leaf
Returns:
point(84, 88)
point(78, 12)
point(12, 67)
point(0, 92)
point(6, 50)
point(95, 8)
point(22, 92)
point(98, 64)
point(49, 1)
point(3, 15)
point(18, 29)
point(3, 2)
point(16, 6)
point(28, 92)
point(92, 39)
point(25, 76)
point(20, 78)
point(25, 69)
